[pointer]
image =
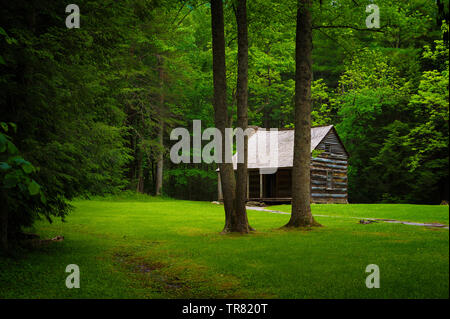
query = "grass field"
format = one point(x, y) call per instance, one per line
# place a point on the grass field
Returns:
point(403, 212)
point(163, 248)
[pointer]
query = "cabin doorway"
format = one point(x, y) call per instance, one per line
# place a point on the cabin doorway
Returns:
point(269, 182)
point(269, 186)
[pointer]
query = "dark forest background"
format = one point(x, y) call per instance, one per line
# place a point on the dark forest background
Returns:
point(90, 110)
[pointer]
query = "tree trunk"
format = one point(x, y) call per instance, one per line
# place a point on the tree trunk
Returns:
point(140, 172)
point(301, 189)
point(227, 178)
point(160, 159)
point(267, 108)
point(160, 163)
point(242, 117)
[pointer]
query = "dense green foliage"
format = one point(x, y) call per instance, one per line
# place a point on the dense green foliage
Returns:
point(21, 195)
point(137, 248)
point(396, 127)
point(89, 103)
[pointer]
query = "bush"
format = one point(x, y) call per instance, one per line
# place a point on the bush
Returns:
point(23, 198)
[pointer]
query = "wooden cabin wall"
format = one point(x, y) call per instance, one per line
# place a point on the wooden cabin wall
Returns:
point(329, 168)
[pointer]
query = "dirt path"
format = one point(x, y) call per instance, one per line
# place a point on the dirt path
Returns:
point(262, 209)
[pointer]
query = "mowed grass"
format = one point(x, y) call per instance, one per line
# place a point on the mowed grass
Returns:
point(403, 212)
point(164, 248)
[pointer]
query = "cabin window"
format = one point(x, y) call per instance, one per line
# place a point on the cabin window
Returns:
point(329, 179)
point(327, 148)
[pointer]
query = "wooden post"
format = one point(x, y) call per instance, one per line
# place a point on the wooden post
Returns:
point(219, 188)
point(260, 185)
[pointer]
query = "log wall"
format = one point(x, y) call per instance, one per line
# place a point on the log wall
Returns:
point(328, 175)
point(329, 171)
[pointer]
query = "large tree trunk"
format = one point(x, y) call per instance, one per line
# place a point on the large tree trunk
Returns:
point(242, 117)
point(160, 158)
point(227, 178)
point(301, 189)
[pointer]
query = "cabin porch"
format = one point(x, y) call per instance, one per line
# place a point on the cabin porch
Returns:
point(327, 186)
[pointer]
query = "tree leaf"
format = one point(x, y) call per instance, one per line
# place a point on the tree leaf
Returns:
point(43, 198)
point(33, 188)
point(27, 168)
point(12, 148)
point(19, 160)
point(4, 166)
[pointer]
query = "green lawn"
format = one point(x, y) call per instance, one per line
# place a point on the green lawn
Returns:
point(163, 248)
point(403, 212)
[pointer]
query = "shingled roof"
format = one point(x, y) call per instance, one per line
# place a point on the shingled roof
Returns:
point(285, 154)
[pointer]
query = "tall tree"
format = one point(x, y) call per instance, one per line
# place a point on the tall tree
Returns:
point(233, 195)
point(227, 178)
point(160, 158)
point(242, 116)
point(301, 191)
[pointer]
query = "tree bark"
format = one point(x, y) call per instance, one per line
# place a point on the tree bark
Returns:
point(160, 158)
point(267, 108)
point(227, 178)
point(301, 190)
point(140, 172)
point(242, 115)
point(160, 163)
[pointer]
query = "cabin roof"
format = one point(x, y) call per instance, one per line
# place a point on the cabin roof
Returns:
point(285, 149)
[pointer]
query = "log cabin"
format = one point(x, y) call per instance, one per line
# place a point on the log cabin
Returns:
point(328, 167)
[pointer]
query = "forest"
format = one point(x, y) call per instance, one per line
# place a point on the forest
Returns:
point(88, 111)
